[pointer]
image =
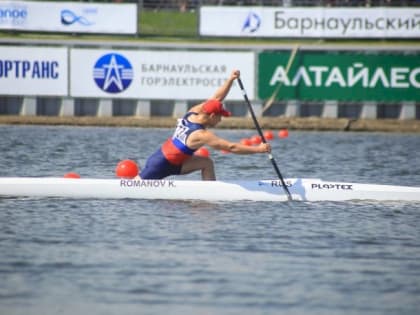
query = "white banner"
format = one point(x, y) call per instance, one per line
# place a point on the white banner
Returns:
point(301, 22)
point(157, 74)
point(33, 71)
point(68, 17)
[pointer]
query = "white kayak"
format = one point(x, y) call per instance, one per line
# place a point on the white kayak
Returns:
point(301, 189)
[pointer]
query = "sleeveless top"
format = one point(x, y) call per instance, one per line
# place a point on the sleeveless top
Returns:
point(175, 149)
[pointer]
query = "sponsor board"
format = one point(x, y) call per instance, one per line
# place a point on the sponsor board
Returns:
point(157, 74)
point(310, 22)
point(33, 71)
point(342, 76)
point(68, 17)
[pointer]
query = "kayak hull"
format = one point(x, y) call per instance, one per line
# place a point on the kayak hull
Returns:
point(301, 189)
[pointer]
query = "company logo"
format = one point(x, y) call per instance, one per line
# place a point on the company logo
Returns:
point(113, 73)
point(68, 17)
point(252, 23)
point(13, 14)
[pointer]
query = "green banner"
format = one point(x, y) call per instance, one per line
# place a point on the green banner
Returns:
point(341, 76)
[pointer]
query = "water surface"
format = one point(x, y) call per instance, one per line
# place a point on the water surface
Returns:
point(66, 256)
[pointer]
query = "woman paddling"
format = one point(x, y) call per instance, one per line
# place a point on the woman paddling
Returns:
point(176, 155)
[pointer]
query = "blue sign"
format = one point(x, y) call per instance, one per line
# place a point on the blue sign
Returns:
point(113, 73)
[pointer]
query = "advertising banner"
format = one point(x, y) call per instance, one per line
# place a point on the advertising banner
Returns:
point(304, 22)
point(72, 17)
point(157, 74)
point(342, 76)
point(33, 71)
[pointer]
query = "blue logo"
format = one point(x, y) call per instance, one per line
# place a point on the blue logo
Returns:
point(113, 73)
point(252, 23)
point(69, 17)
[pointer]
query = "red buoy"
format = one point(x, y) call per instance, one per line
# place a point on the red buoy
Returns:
point(268, 135)
point(246, 141)
point(256, 139)
point(204, 152)
point(127, 169)
point(283, 133)
point(71, 175)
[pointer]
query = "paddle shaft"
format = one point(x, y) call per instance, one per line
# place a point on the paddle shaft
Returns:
point(257, 125)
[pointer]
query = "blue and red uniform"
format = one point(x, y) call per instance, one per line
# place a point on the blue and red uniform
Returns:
point(171, 155)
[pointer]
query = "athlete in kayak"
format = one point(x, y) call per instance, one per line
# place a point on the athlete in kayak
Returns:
point(176, 155)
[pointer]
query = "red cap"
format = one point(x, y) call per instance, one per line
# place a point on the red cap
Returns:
point(214, 106)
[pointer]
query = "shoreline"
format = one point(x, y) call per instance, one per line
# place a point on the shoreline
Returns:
point(297, 123)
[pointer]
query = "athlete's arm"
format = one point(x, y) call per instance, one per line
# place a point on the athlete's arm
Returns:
point(221, 92)
point(206, 137)
point(224, 89)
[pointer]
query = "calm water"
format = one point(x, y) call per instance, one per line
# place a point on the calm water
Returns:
point(64, 256)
